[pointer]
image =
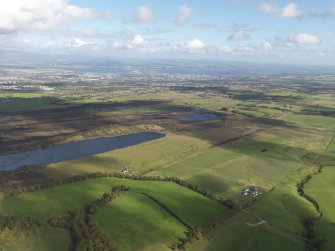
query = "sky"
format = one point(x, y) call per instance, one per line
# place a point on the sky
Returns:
point(273, 31)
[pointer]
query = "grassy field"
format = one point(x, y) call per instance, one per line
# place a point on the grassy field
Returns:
point(62, 199)
point(242, 237)
point(135, 222)
point(27, 101)
point(144, 157)
point(313, 120)
point(287, 131)
point(235, 234)
point(331, 147)
point(261, 160)
point(285, 209)
point(51, 239)
point(321, 188)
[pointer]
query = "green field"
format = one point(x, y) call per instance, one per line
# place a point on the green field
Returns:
point(331, 146)
point(313, 120)
point(239, 237)
point(60, 200)
point(321, 187)
point(238, 165)
point(145, 157)
point(274, 137)
point(134, 222)
point(51, 239)
point(290, 209)
point(241, 232)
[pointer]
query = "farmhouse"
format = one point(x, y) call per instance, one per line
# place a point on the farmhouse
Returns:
point(126, 170)
point(253, 191)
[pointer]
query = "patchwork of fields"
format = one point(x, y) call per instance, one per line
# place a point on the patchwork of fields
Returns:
point(271, 140)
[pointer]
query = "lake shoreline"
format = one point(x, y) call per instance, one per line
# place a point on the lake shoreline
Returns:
point(73, 150)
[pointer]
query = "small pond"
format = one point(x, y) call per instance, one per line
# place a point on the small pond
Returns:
point(199, 115)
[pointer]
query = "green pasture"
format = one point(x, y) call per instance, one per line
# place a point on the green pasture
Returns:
point(318, 121)
point(240, 237)
point(135, 222)
point(51, 239)
point(321, 187)
point(60, 200)
point(140, 158)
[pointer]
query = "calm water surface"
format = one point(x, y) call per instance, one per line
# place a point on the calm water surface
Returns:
point(74, 150)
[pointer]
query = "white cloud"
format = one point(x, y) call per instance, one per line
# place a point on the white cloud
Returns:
point(78, 43)
point(268, 7)
point(184, 14)
point(267, 46)
point(90, 32)
point(20, 15)
point(194, 45)
point(291, 10)
point(138, 40)
point(226, 49)
point(117, 45)
point(304, 38)
point(144, 14)
point(238, 36)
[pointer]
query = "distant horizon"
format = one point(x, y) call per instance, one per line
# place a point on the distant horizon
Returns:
point(129, 59)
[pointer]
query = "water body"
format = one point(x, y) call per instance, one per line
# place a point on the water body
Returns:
point(199, 115)
point(74, 150)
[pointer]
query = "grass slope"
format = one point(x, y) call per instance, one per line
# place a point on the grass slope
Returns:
point(51, 239)
point(321, 187)
point(62, 199)
point(262, 238)
point(135, 222)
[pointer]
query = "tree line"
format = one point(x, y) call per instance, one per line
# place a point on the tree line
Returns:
point(8, 190)
point(314, 244)
point(82, 225)
point(84, 229)
point(14, 227)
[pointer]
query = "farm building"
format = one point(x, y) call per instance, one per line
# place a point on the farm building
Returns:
point(253, 191)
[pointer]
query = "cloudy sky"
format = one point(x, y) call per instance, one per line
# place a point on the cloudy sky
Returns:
point(245, 30)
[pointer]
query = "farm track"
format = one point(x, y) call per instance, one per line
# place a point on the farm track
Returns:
point(281, 229)
point(251, 224)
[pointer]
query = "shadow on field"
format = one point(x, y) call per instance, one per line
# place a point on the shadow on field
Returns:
point(37, 127)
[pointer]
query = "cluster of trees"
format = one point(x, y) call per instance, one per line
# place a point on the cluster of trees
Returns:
point(13, 185)
point(314, 244)
point(26, 180)
point(84, 228)
point(300, 189)
point(82, 224)
point(193, 235)
point(14, 188)
point(14, 227)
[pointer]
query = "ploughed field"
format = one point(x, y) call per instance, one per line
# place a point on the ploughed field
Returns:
point(275, 139)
